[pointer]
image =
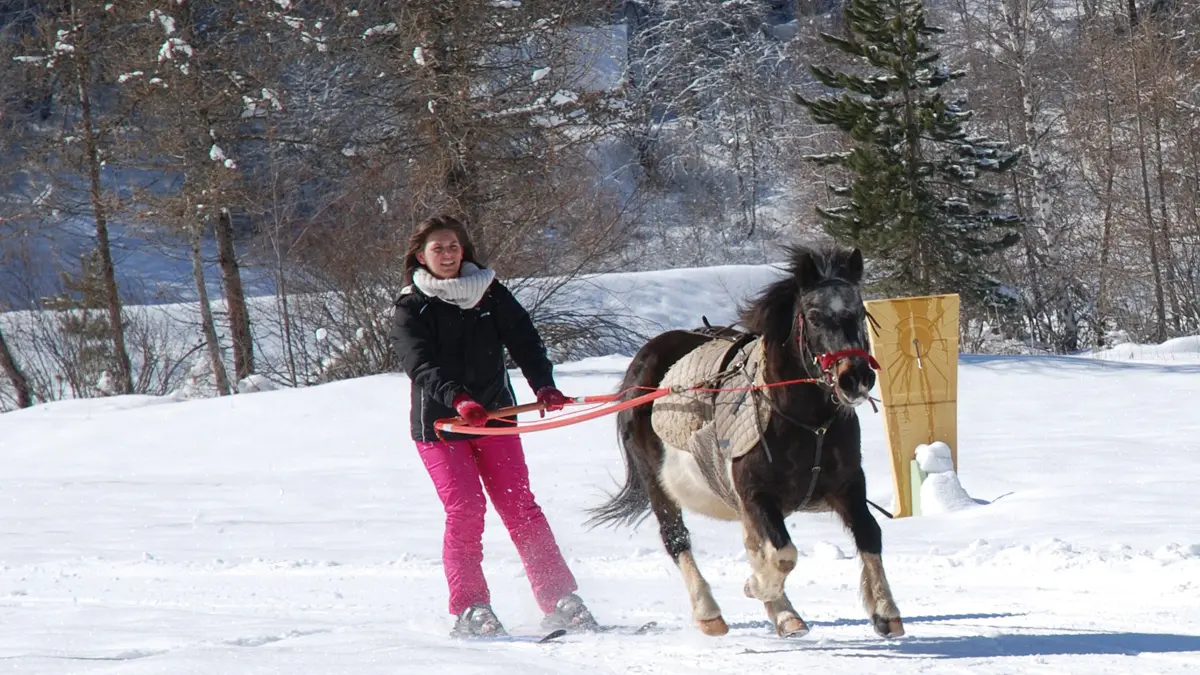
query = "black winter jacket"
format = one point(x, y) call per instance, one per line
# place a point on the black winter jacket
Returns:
point(447, 350)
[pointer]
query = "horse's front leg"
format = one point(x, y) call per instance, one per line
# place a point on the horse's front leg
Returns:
point(772, 557)
point(851, 505)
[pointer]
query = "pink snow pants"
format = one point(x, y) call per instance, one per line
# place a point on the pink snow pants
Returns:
point(456, 468)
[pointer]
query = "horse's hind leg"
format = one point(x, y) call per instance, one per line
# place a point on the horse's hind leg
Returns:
point(851, 505)
point(645, 455)
point(678, 542)
point(772, 557)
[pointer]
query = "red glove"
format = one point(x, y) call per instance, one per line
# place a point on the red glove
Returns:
point(474, 414)
point(552, 399)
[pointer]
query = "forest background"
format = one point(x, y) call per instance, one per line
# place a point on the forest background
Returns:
point(212, 196)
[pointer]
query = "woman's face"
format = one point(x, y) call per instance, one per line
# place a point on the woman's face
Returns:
point(442, 254)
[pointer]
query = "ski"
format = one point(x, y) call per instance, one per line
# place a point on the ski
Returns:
point(647, 628)
point(644, 629)
point(534, 638)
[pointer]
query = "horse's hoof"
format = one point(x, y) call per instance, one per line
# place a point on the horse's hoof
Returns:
point(713, 627)
point(792, 627)
point(888, 628)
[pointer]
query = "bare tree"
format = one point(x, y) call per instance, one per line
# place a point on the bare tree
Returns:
point(1160, 307)
point(1094, 124)
point(198, 88)
point(74, 42)
point(235, 297)
point(211, 342)
point(16, 377)
point(398, 110)
point(480, 109)
point(710, 121)
point(10, 75)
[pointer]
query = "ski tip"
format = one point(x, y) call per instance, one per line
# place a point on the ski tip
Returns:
point(552, 635)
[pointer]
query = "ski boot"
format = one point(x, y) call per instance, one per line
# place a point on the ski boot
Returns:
point(570, 614)
point(477, 621)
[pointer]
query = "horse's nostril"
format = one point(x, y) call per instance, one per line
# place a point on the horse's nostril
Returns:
point(846, 382)
point(868, 381)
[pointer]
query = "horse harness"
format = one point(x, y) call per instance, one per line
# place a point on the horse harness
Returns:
point(736, 359)
point(824, 362)
point(817, 432)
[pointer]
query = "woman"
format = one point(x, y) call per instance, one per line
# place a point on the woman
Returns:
point(452, 322)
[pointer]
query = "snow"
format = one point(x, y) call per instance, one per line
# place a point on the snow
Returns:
point(651, 302)
point(934, 457)
point(1177, 350)
point(383, 29)
point(270, 96)
point(941, 490)
point(296, 531)
point(256, 383)
point(166, 20)
point(563, 97)
point(172, 47)
point(250, 108)
point(150, 268)
point(824, 550)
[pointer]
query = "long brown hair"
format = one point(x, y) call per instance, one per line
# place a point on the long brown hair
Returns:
point(421, 234)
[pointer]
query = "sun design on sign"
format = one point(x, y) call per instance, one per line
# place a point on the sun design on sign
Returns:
point(917, 337)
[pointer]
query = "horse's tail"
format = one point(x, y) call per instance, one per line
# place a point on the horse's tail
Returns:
point(640, 447)
point(631, 503)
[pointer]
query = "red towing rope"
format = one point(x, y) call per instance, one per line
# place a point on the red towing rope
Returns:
point(605, 404)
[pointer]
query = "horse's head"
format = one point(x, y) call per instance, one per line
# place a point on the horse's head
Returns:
point(817, 312)
point(830, 327)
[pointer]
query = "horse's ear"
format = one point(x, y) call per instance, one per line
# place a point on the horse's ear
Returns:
point(854, 267)
point(805, 269)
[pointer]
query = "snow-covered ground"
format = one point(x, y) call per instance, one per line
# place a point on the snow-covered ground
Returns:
point(1181, 349)
point(150, 268)
point(295, 531)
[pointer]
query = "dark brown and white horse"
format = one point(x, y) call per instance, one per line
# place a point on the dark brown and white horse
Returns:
point(807, 458)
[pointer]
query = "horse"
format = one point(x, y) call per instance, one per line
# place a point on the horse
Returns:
point(807, 333)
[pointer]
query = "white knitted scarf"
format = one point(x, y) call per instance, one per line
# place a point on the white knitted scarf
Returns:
point(465, 290)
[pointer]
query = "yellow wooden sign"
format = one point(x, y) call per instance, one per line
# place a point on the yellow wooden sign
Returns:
point(915, 341)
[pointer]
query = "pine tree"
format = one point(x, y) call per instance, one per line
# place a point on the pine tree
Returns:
point(914, 204)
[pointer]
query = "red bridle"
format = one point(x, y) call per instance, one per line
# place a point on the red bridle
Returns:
point(827, 361)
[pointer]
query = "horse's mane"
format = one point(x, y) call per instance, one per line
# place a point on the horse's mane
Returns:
point(770, 314)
